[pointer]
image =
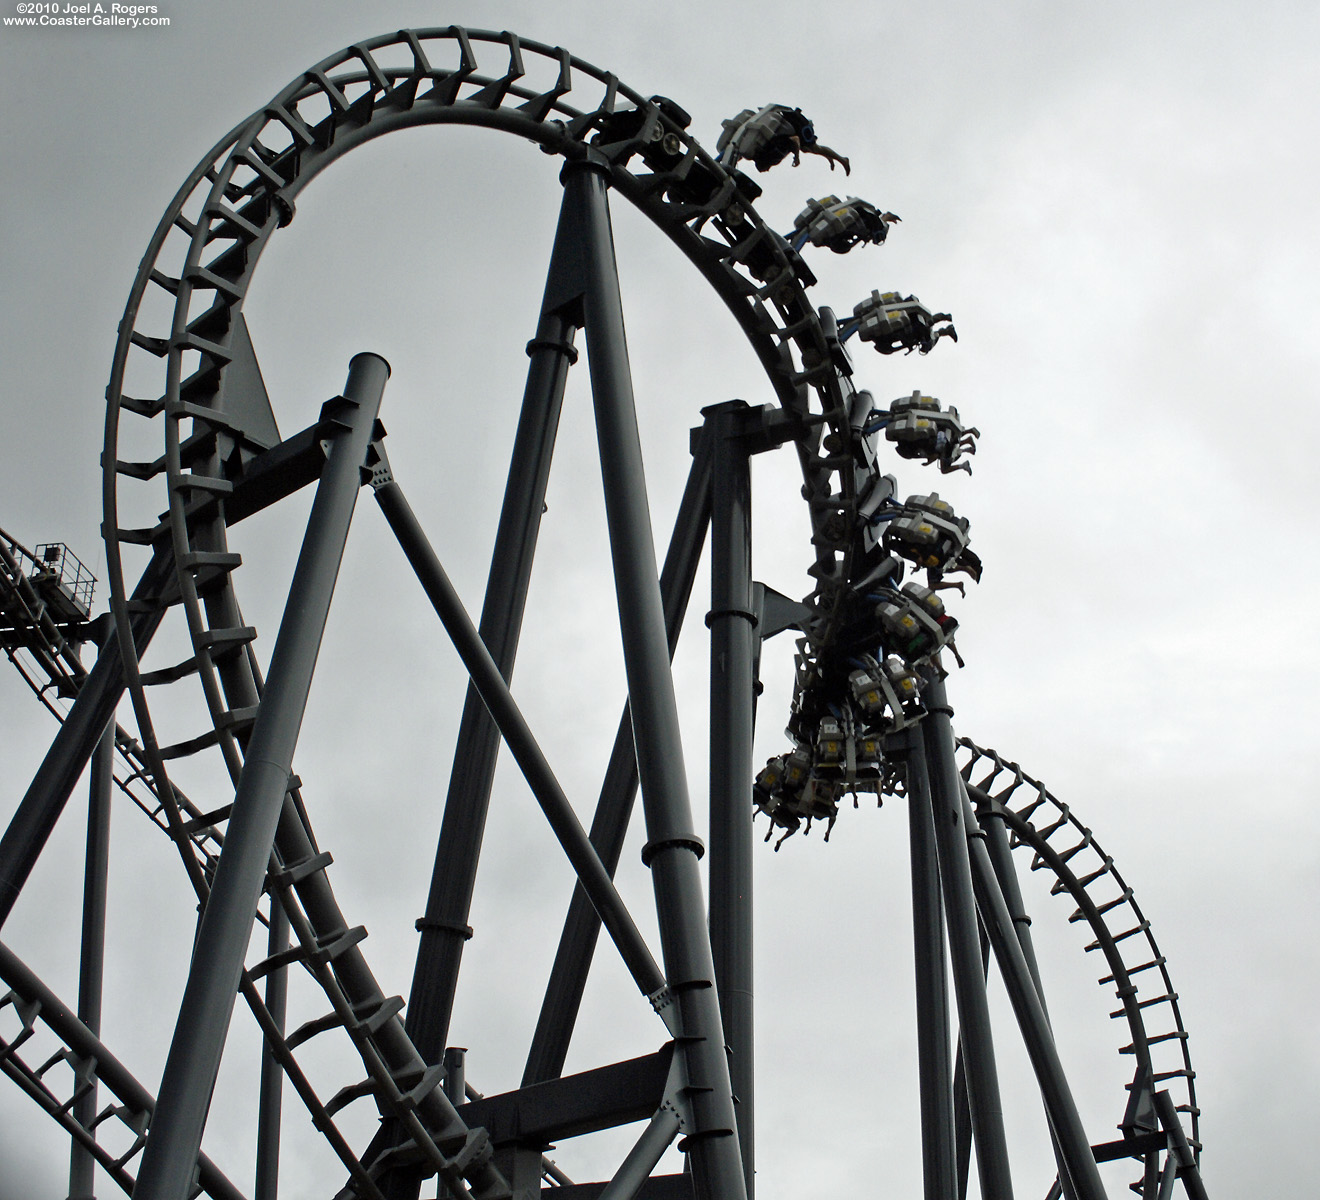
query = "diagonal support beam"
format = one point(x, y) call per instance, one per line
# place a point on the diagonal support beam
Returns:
point(510, 723)
point(995, 836)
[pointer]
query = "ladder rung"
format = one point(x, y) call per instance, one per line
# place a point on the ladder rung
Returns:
point(201, 483)
point(140, 470)
point(223, 641)
point(293, 123)
point(225, 215)
point(1181, 1073)
point(1119, 937)
point(212, 350)
point(429, 1081)
point(285, 958)
point(339, 942)
point(346, 1095)
point(190, 746)
point(143, 408)
point(207, 820)
point(387, 1008)
point(1082, 845)
point(1050, 830)
point(294, 873)
point(235, 720)
point(1146, 966)
point(210, 568)
point(1104, 869)
point(142, 537)
point(202, 412)
point(168, 282)
point(170, 674)
point(310, 1029)
point(251, 159)
point(1101, 909)
point(152, 345)
point(1179, 1034)
point(201, 277)
point(239, 718)
point(338, 101)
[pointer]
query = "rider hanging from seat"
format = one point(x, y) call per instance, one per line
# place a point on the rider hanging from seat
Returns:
point(769, 136)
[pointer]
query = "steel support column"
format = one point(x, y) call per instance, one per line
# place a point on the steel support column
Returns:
point(91, 966)
point(271, 1095)
point(673, 848)
point(170, 1155)
point(444, 927)
point(509, 722)
point(733, 644)
point(934, 1045)
point(609, 826)
point(975, 1036)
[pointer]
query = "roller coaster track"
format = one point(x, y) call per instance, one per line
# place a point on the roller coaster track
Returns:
point(190, 382)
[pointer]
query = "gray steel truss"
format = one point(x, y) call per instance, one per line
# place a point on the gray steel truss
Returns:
point(255, 859)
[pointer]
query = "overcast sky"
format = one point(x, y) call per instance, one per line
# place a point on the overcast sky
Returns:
point(1117, 204)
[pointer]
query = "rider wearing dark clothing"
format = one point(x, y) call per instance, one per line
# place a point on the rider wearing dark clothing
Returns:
point(797, 136)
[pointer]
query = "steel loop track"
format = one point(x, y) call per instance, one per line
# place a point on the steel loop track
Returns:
point(232, 203)
point(245, 190)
